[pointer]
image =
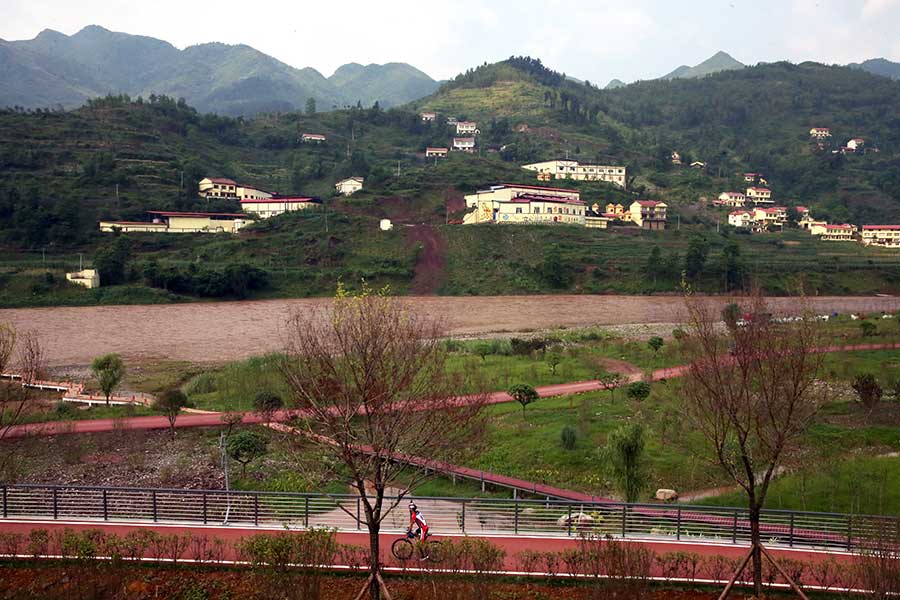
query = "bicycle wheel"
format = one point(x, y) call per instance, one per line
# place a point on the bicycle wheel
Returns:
point(402, 549)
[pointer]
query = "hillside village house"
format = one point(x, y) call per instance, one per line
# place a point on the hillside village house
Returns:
point(735, 199)
point(881, 235)
point(467, 128)
point(676, 158)
point(428, 116)
point(219, 187)
point(312, 138)
point(271, 207)
point(571, 169)
point(436, 152)
point(617, 211)
point(820, 133)
point(758, 195)
point(466, 144)
point(856, 144)
point(751, 177)
point(698, 164)
point(89, 278)
point(594, 219)
point(164, 221)
point(767, 219)
point(348, 186)
point(740, 218)
point(648, 214)
point(507, 203)
point(833, 232)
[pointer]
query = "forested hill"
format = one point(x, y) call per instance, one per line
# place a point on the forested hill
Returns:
point(755, 119)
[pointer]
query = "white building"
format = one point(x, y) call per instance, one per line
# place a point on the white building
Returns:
point(466, 144)
point(436, 152)
point(740, 218)
point(348, 186)
point(428, 116)
point(228, 189)
point(508, 203)
point(89, 278)
point(572, 169)
point(881, 235)
point(467, 128)
point(312, 138)
point(856, 144)
point(833, 232)
point(820, 133)
point(734, 199)
point(270, 207)
point(759, 195)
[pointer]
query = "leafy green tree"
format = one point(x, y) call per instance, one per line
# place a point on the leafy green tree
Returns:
point(639, 390)
point(568, 438)
point(310, 106)
point(553, 270)
point(553, 359)
point(267, 403)
point(524, 394)
point(868, 328)
point(624, 454)
point(655, 266)
point(695, 258)
point(655, 343)
point(109, 370)
point(733, 267)
point(609, 381)
point(112, 259)
point(868, 391)
point(170, 404)
point(245, 447)
point(482, 349)
point(731, 314)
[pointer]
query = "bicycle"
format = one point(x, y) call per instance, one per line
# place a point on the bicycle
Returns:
point(404, 548)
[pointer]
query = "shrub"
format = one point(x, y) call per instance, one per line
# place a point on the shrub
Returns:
point(868, 391)
point(64, 410)
point(639, 390)
point(655, 343)
point(525, 347)
point(868, 328)
point(524, 394)
point(266, 403)
point(568, 438)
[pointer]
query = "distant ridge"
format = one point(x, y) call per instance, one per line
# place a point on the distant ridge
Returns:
point(879, 66)
point(56, 69)
point(615, 83)
point(720, 61)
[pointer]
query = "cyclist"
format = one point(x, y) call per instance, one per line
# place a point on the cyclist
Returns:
point(418, 521)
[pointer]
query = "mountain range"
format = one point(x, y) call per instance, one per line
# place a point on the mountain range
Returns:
point(55, 69)
point(720, 61)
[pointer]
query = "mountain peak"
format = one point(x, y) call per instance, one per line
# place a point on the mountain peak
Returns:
point(720, 61)
point(615, 83)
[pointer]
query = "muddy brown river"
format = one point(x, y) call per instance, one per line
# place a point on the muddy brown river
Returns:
point(220, 331)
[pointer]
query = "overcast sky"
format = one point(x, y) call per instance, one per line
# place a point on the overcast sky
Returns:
point(592, 39)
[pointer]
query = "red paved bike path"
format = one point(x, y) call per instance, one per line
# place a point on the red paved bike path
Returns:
point(215, 419)
point(512, 545)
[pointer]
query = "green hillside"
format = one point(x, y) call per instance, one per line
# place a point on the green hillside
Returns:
point(60, 173)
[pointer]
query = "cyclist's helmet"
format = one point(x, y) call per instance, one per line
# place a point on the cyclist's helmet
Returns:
point(412, 506)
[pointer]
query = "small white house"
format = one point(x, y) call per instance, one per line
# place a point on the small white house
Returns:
point(427, 117)
point(89, 278)
point(466, 144)
point(385, 225)
point(312, 138)
point(467, 128)
point(436, 152)
point(348, 186)
point(856, 144)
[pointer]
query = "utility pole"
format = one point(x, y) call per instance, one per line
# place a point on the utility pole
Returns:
point(117, 195)
point(679, 223)
point(398, 168)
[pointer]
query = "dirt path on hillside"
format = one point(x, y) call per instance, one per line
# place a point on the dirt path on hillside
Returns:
point(213, 332)
point(429, 271)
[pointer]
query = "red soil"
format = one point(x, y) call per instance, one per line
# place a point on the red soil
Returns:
point(430, 264)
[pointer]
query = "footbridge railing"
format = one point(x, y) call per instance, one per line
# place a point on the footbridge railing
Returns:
point(472, 516)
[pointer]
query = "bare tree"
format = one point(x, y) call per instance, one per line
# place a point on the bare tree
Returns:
point(14, 397)
point(752, 394)
point(371, 383)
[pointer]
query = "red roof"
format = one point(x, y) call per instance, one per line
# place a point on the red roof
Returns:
point(278, 199)
point(739, 212)
point(841, 226)
point(871, 227)
point(649, 203)
point(429, 149)
point(732, 194)
point(314, 135)
point(465, 139)
point(222, 180)
point(133, 223)
point(821, 129)
point(170, 213)
point(536, 187)
point(541, 198)
point(756, 189)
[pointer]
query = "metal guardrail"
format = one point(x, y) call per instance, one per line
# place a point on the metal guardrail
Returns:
point(474, 516)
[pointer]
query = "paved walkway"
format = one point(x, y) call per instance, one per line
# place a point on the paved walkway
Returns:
point(74, 392)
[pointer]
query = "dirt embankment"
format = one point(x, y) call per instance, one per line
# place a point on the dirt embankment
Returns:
point(429, 271)
point(213, 332)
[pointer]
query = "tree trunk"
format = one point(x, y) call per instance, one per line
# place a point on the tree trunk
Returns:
point(107, 399)
point(374, 561)
point(755, 549)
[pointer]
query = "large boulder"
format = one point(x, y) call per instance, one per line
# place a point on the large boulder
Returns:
point(666, 494)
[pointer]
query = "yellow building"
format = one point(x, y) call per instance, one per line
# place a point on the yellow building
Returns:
point(572, 169)
point(881, 235)
point(648, 214)
point(89, 278)
point(181, 222)
point(833, 232)
point(525, 204)
point(348, 186)
point(271, 207)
